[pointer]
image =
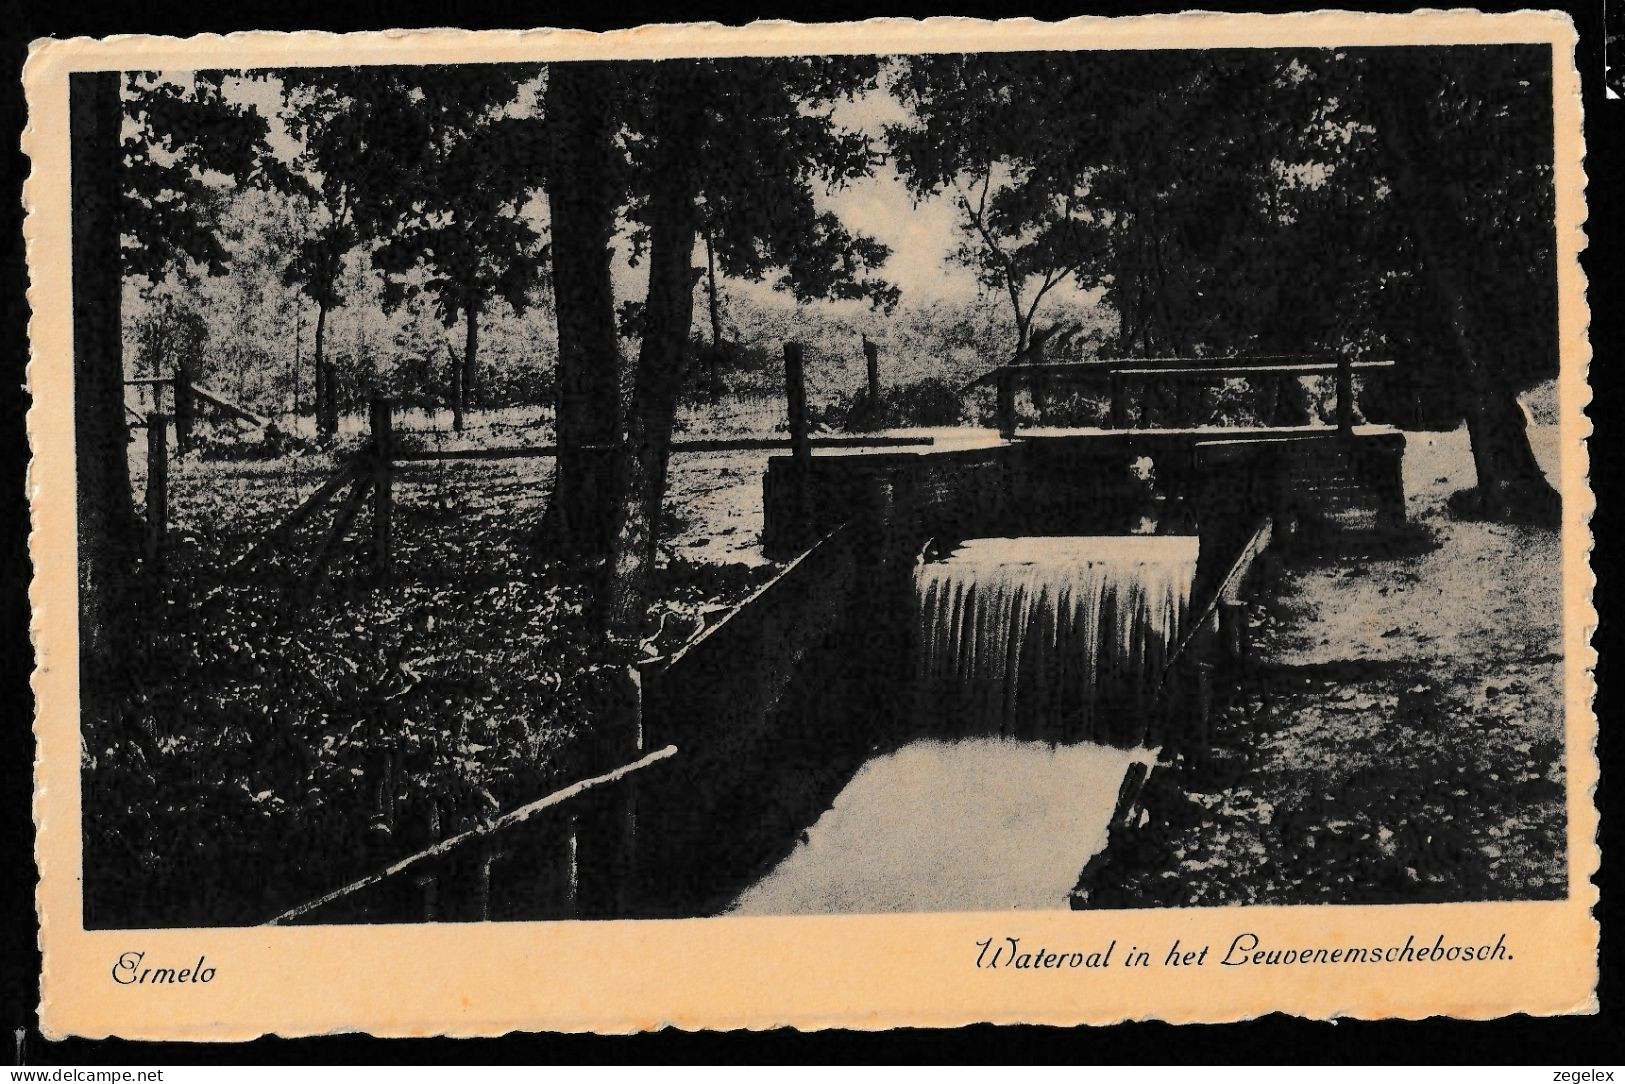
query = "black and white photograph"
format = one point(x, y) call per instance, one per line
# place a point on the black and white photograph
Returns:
point(723, 486)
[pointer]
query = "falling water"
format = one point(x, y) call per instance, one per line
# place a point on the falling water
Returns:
point(1057, 638)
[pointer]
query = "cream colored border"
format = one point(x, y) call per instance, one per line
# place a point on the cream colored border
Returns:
point(858, 972)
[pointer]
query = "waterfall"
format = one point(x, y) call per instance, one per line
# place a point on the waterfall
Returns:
point(1063, 639)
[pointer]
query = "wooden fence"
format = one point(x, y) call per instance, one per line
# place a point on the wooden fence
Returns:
point(546, 859)
point(749, 726)
point(370, 471)
point(678, 447)
point(184, 396)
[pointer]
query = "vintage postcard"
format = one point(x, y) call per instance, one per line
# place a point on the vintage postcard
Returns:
point(906, 523)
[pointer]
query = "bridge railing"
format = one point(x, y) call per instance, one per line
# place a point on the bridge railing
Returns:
point(1119, 372)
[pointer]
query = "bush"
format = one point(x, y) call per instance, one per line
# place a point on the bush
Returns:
point(733, 369)
point(227, 443)
point(928, 401)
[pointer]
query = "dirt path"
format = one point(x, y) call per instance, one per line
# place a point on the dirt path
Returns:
point(1404, 741)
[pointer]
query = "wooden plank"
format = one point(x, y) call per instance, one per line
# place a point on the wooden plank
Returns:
point(506, 821)
point(220, 403)
point(718, 444)
point(790, 572)
point(278, 534)
point(313, 579)
point(1307, 364)
point(719, 690)
point(1238, 371)
point(1228, 590)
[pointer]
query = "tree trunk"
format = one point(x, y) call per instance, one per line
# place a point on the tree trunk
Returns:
point(471, 350)
point(108, 533)
point(662, 360)
point(455, 374)
point(581, 204)
point(298, 335)
point(713, 375)
point(871, 365)
point(318, 360)
point(1023, 330)
point(1511, 484)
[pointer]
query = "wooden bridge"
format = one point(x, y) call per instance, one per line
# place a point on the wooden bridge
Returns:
point(1122, 374)
point(1047, 480)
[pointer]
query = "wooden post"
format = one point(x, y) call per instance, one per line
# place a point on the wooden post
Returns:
point(1006, 403)
point(318, 391)
point(795, 396)
point(1278, 471)
point(606, 822)
point(568, 869)
point(536, 878)
point(185, 408)
point(1119, 400)
point(157, 487)
point(428, 891)
point(383, 502)
point(481, 902)
point(1345, 395)
point(458, 392)
point(871, 359)
point(1202, 744)
point(1381, 470)
point(427, 878)
point(464, 890)
point(1233, 631)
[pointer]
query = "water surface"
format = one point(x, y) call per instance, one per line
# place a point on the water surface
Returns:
point(974, 824)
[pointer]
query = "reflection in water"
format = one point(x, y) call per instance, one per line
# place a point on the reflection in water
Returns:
point(977, 824)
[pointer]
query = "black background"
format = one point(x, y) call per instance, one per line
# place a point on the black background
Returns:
point(1570, 1042)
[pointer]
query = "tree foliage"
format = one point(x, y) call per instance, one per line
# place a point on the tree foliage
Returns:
point(1393, 202)
point(765, 143)
point(459, 218)
point(735, 150)
point(1029, 212)
point(178, 137)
